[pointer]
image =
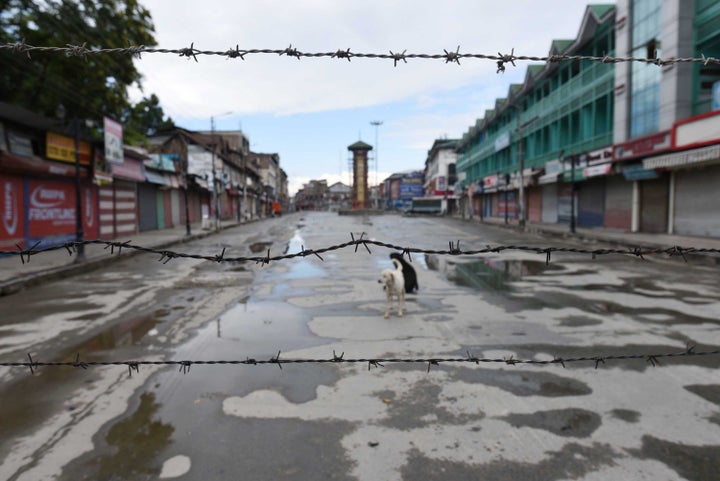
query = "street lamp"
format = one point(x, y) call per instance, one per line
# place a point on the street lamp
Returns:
point(79, 233)
point(376, 123)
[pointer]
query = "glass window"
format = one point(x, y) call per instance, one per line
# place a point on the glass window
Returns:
point(645, 78)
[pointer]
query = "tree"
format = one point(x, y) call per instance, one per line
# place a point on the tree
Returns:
point(143, 119)
point(89, 87)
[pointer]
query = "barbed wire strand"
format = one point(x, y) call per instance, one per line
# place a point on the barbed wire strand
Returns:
point(454, 250)
point(449, 56)
point(596, 360)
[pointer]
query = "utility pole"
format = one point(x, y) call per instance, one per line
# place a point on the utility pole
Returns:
point(185, 190)
point(79, 232)
point(521, 167)
point(216, 201)
point(216, 197)
point(572, 194)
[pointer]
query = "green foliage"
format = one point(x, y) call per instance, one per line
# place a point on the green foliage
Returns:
point(89, 87)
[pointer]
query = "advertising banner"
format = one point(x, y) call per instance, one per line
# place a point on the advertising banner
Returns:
point(62, 148)
point(51, 208)
point(12, 214)
point(113, 141)
point(91, 227)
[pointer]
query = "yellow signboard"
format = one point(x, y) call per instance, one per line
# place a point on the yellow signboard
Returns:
point(62, 148)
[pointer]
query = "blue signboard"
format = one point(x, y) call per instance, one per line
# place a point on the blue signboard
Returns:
point(716, 95)
point(411, 186)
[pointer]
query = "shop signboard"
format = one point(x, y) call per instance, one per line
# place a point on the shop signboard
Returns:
point(19, 144)
point(62, 148)
point(51, 210)
point(643, 146)
point(113, 132)
point(12, 214)
point(698, 131)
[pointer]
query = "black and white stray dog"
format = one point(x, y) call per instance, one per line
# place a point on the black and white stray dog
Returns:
point(411, 283)
point(394, 284)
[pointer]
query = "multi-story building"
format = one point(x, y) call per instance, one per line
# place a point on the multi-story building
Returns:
point(440, 176)
point(667, 116)
point(632, 145)
point(560, 117)
point(440, 168)
point(312, 196)
point(271, 178)
point(339, 196)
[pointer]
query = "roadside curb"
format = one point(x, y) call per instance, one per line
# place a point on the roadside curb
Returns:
point(598, 238)
point(47, 275)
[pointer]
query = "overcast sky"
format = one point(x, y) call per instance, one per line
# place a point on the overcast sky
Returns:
point(309, 110)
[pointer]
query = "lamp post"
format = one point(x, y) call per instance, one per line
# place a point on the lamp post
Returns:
point(376, 123)
point(79, 232)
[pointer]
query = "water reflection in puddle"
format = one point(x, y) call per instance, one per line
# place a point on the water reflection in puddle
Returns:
point(301, 267)
point(498, 274)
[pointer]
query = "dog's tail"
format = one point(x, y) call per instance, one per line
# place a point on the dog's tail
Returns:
point(398, 265)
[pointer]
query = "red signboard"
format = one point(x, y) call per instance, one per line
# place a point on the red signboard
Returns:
point(51, 209)
point(91, 227)
point(12, 214)
point(642, 146)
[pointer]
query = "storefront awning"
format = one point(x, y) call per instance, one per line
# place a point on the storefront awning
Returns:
point(704, 155)
point(35, 165)
point(130, 169)
point(548, 179)
point(636, 172)
point(156, 178)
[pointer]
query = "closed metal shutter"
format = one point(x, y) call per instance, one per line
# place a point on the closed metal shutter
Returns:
point(175, 207)
point(591, 203)
point(147, 207)
point(654, 205)
point(695, 212)
point(534, 204)
point(107, 211)
point(549, 203)
point(618, 202)
point(125, 208)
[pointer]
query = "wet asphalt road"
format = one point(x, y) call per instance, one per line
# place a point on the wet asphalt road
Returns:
point(624, 420)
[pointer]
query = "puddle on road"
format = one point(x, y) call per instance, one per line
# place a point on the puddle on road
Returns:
point(301, 267)
point(691, 462)
point(256, 328)
point(497, 274)
point(420, 407)
point(124, 333)
point(709, 392)
point(627, 415)
point(135, 443)
point(572, 422)
point(149, 436)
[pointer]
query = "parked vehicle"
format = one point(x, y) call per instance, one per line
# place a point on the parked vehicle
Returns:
point(426, 205)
